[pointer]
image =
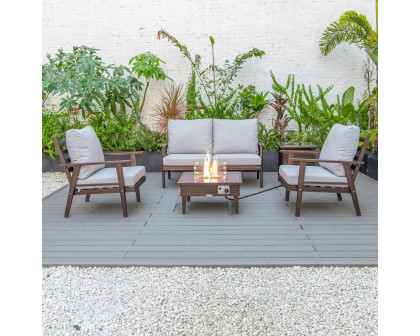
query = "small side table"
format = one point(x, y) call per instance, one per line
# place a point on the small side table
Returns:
point(283, 157)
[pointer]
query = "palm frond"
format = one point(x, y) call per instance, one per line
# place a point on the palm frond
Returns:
point(352, 27)
point(357, 19)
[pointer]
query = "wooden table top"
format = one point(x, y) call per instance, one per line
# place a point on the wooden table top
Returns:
point(289, 145)
point(233, 177)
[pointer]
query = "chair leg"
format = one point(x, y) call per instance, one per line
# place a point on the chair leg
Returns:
point(169, 174)
point(352, 188)
point(339, 197)
point(258, 174)
point(72, 189)
point(123, 203)
point(261, 179)
point(355, 201)
point(286, 198)
point(301, 184)
point(138, 194)
point(122, 189)
point(69, 201)
point(87, 198)
point(163, 178)
point(298, 202)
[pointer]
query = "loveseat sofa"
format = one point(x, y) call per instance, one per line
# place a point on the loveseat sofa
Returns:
point(232, 141)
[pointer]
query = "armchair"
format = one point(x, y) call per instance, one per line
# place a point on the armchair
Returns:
point(91, 176)
point(333, 172)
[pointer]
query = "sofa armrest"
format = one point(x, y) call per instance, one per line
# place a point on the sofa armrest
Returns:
point(260, 149)
point(329, 161)
point(163, 150)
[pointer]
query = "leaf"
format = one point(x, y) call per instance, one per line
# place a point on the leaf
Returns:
point(348, 96)
point(347, 111)
point(372, 53)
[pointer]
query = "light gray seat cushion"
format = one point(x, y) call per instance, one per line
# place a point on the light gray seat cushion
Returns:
point(290, 174)
point(190, 136)
point(184, 159)
point(341, 144)
point(83, 146)
point(239, 159)
point(109, 175)
point(235, 136)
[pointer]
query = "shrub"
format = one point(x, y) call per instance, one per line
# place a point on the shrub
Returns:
point(219, 99)
point(115, 132)
point(172, 106)
point(54, 122)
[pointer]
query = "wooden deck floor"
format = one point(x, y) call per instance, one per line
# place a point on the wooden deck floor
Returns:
point(265, 233)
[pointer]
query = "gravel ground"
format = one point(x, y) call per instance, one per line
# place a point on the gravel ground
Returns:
point(210, 301)
point(52, 181)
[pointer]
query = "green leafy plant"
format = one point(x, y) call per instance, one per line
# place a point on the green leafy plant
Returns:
point(215, 82)
point(172, 106)
point(353, 28)
point(191, 97)
point(116, 132)
point(147, 65)
point(269, 137)
point(345, 107)
point(149, 140)
point(87, 83)
point(251, 101)
point(246, 94)
point(55, 122)
point(258, 102)
point(312, 113)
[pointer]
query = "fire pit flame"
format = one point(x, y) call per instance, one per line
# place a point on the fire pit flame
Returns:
point(210, 170)
point(210, 167)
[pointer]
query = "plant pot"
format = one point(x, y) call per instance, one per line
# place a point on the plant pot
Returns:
point(49, 165)
point(270, 161)
point(151, 160)
point(370, 166)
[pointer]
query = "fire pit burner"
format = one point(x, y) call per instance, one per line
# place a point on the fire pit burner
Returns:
point(210, 171)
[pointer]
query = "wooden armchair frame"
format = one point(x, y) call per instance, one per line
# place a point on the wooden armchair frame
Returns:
point(72, 171)
point(330, 187)
point(257, 168)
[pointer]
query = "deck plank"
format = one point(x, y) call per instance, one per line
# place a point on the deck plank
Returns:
point(264, 233)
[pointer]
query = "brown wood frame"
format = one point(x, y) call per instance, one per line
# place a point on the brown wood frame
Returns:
point(337, 188)
point(257, 168)
point(72, 172)
point(305, 152)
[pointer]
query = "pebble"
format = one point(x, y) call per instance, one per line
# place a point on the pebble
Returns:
point(210, 301)
point(52, 182)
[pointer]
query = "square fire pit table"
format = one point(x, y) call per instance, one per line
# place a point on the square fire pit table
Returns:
point(230, 187)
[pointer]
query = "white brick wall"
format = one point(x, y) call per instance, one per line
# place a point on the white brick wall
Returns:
point(287, 30)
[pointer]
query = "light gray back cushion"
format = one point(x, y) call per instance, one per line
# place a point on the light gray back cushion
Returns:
point(84, 146)
point(235, 136)
point(190, 136)
point(341, 144)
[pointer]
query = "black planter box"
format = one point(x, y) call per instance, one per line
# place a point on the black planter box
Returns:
point(153, 162)
point(270, 161)
point(50, 166)
point(370, 168)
